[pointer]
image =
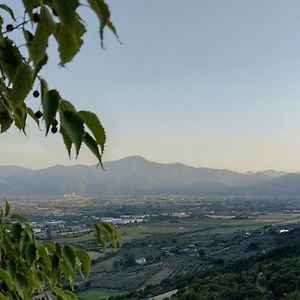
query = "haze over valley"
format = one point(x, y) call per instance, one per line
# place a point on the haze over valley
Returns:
point(135, 175)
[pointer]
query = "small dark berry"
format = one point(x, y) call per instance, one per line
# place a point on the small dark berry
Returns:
point(38, 114)
point(9, 27)
point(36, 17)
point(53, 129)
point(54, 123)
point(54, 12)
point(36, 93)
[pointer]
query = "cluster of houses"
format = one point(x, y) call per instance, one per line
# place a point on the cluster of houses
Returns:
point(61, 228)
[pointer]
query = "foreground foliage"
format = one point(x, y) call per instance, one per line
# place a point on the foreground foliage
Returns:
point(29, 267)
point(23, 45)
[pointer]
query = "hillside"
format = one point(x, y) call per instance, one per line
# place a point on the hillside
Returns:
point(135, 175)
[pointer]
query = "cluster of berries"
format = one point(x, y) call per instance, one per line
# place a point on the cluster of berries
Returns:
point(35, 18)
point(38, 114)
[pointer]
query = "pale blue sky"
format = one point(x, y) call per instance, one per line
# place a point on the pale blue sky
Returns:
point(212, 83)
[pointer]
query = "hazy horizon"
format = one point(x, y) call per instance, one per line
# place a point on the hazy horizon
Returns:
point(160, 162)
point(216, 84)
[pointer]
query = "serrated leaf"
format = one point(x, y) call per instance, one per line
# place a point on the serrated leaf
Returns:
point(8, 10)
point(20, 115)
point(5, 118)
point(30, 112)
point(7, 208)
point(46, 26)
point(55, 269)
point(28, 37)
point(99, 237)
point(22, 84)
point(2, 297)
point(70, 29)
point(42, 252)
point(16, 231)
point(69, 257)
point(84, 260)
point(19, 217)
point(40, 65)
point(6, 278)
point(66, 105)
point(10, 58)
point(63, 294)
point(29, 6)
point(21, 284)
point(92, 122)
point(73, 125)
point(92, 145)
point(30, 253)
point(12, 268)
point(101, 9)
point(67, 140)
point(50, 104)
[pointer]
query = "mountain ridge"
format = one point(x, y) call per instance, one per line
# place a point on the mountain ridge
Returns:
point(135, 175)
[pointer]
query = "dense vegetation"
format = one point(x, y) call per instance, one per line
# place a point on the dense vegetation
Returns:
point(274, 275)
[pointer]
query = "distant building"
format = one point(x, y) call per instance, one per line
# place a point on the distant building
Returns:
point(140, 260)
point(283, 231)
point(59, 224)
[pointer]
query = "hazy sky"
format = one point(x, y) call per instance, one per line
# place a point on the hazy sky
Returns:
point(209, 83)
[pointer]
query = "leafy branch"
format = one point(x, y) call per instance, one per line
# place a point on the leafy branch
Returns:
point(20, 70)
point(29, 267)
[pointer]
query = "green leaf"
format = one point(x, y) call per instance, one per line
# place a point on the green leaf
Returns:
point(42, 252)
point(66, 295)
point(20, 115)
point(22, 84)
point(7, 208)
point(99, 237)
point(2, 297)
point(28, 37)
point(92, 122)
point(55, 269)
point(40, 65)
point(70, 29)
point(30, 112)
point(12, 268)
point(46, 26)
point(6, 278)
point(5, 117)
point(30, 253)
point(92, 145)
point(67, 140)
point(50, 103)
point(9, 10)
point(10, 58)
point(66, 105)
point(84, 260)
point(21, 283)
point(69, 257)
point(16, 231)
point(19, 217)
point(29, 6)
point(73, 125)
point(101, 9)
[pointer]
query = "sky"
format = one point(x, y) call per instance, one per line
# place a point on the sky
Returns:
point(209, 83)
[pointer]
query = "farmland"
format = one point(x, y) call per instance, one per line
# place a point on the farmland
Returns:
point(177, 236)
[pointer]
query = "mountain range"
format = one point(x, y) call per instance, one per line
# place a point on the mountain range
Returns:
point(134, 176)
